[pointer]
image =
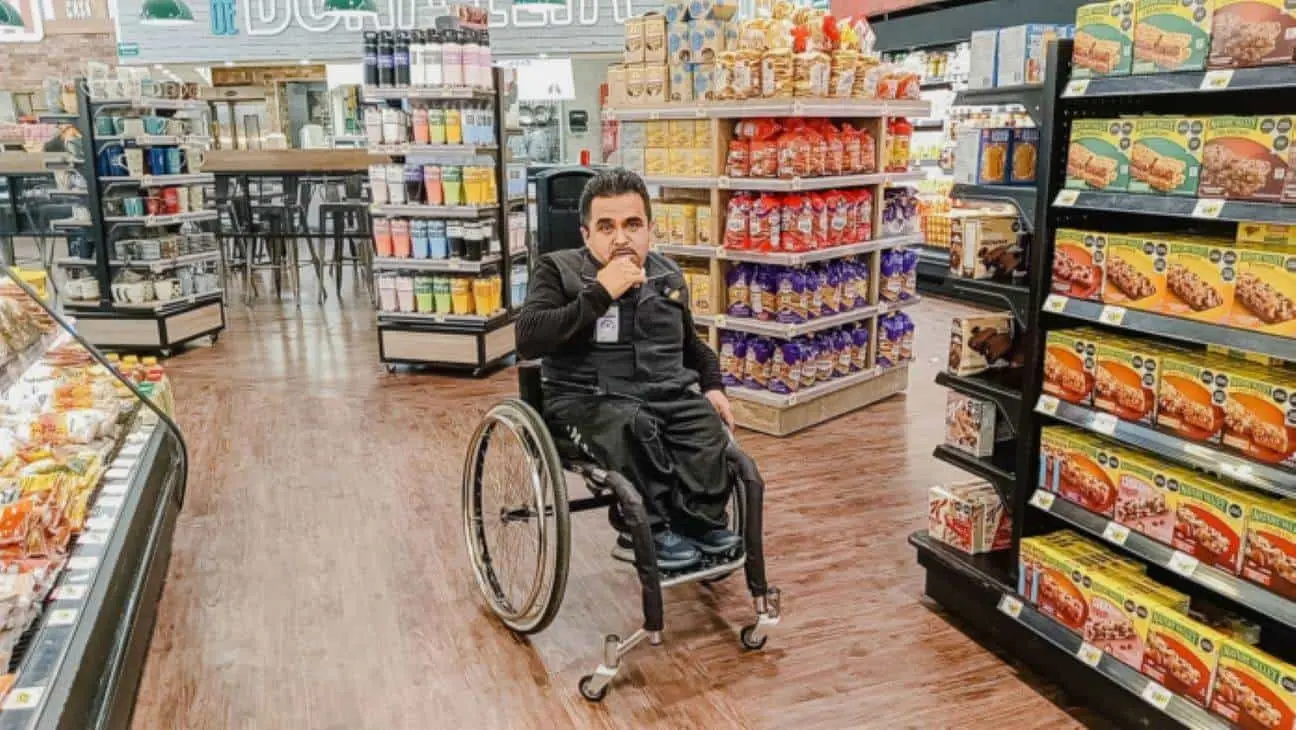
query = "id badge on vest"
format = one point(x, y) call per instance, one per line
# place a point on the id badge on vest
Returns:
point(608, 328)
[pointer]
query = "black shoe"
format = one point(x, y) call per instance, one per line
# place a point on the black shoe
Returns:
point(673, 553)
point(715, 542)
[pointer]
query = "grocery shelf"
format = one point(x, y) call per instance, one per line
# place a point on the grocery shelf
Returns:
point(153, 181)
point(1212, 459)
point(822, 254)
point(787, 400)
point(1002, 387)
point(387, 263)
point(170, 306)
point(470, 212)
point(828, 182)
point(155, 221)
point(983, 467)
point(1022, 197)
point(1184, 82)
point(153, 140)
point(842, 108)
point(12, 370)
point(990, 570)
point(436, 318)
point(1030, 97)
point(1220, 582)
point(144, 102)
point(1185, 330)
point(376, 93)
point(699, 252)
point(788, 331)
point(153, 265)
point(431, 149)
point(1170, 206)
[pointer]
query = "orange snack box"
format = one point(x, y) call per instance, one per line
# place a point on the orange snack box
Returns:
point(1069, 364)
point(1259, 413)
point(1269, 558)
point(1191, 395)
point(1210, 520)
point(1253, 689)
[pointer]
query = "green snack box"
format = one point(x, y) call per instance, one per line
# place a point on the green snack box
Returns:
point(1098, 156)
point(1171, 35)
point(1166, 155)
point(1104, 39)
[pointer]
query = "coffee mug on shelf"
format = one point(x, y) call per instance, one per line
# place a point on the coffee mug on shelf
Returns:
point(157, 161)
point(182, 200)
point(196, 197)
point(153, 204)
point(174, 161)
point(185, 278)
point(105, 126)
point(171, 200)
point(113, 207)
point(133, 206)
point(176, 127)
point(135, 162)
point(149, 249)
point(170, 89)
point(130, 126)
point(112, 160)
point(166, 289)
point(154, 124)
point(194, 157)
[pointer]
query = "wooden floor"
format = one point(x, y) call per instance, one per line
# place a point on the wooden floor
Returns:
point(320, 581)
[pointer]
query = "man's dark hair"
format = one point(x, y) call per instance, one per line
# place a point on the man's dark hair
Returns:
point(610, 184)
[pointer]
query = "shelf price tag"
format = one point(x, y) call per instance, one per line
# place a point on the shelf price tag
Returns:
point(1055, 303)
point(1010, 605)
point(82, 562)
point(1156, 695)
point(1076, 87)
point(70, 592)
point(1114, 316)
point(1183, 564)
point(1208, 208)
point(1217, 80)
point(1089, 654)
point(1042, 499)
point(61, 617)
point(1115, 533)
point(1104, 423)
point(1048, 405)
point(24, 698)
point(1066, 198)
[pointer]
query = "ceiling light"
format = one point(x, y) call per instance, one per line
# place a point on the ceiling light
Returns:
point(10, 17)
point(352, 8)
point(229, 63)
point(305, 62)
point(165, 12)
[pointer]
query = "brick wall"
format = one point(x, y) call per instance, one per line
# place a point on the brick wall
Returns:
point(25, 66)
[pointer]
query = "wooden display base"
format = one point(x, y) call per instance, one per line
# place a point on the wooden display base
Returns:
point(405, 344)
point(782, 420)
point(151, 331)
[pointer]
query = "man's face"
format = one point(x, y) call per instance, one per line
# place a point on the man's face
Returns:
point(618, 226)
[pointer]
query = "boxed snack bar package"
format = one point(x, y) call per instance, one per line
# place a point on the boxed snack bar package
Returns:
point(1116, 615)
point(1264, 294)
point(659, 231)
point(1165, 156)
point(1084, 469)
point(1077, 263)
point(1191, 395)
point(1266, 234)
point(981, 342)
point(616, 81)
point(1069, 364)
point(970, 424)
point(981, 156)
point(1144, 500)
point(1171, 35)
point(654, 38)
point(681, 84)
point(656, 134)
point(1181, 654)
point(1248, 158)
point(656, 81)
point(1253, 33)
point(1055, 585)
point(1023, 50)
point(1134, 271)
point(703, 84)
point(1104, 39)
point(1024, 155)
point(1260, 415)
point(679, 133)
point(1127, 374)
point(706, 40)
point(968, 516)
point(1200, 275)
point(984, 47)
point(1210, 520)
point(634, 41)
point(1269, 556)
point(677, 43)
point(1097, 154)
point(1253, 689)
point(985, 243)
point(635, 79)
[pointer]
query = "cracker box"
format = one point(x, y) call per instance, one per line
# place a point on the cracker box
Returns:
point(982, 157)
point(1181, 654)
point(702, 134)
point(981, 342)
point(656, 134)
point(635, 79)
point(970, 424)
point(1085, 471)
point(702, 161)
point(1264, 295)
point(1134, 271)
point(1022, 53)
point(1253, 689)
point(1165, 155)
point(634, 41)
point(1023, 156)
point(654, 38)
point(1253, 33)
point(706, 40)
point(703, 225)
point(1069, 364)
point(678, 50)
point(674, 223)
point(1127, 373)
point(1077, 263)
point(1097, 156)
point(985, 244)
point(1191, 395)
point(701, 298)
point(1116, 615)
point(968, 516)
point(1171, 35)
point(703, 85)
point(1269, 557)
point(1248, 158)
point(681, 84)
point(1200, 279)
point(659, 232)
point(1144, 501)
point(1265, 234)
point(1260, 414)
point(1210, 520)
point(1104, 39)
point(656, 81)
point(984, 59)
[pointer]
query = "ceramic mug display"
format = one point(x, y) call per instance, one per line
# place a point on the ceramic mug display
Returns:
point(182, 200)
point(114, 207)
point(148, 249)
point(196, 201)
point(185, 277)
point(194, 157)
point(155, 125)
point(133, 206)
point(135, 162)
point(174, 161)
point(153, 204)
point(112, 160)
point(171, 200)
point(157, 161)
point(166, 289)
point(176, 127)
point(105, 126)
point(130, 126)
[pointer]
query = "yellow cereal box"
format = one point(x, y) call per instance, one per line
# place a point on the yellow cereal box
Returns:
point(1077, 263)
point(702, 161)
point(1252, 33)
point(656, 161)
point(675, 224)
point(1260, 413)
point(701, 134)
point(1246, 158)
point(1199, 279)
point(1191, 395)
point(660, 231)
point(1134, 271)
point(1104, 39)
point(1165, 155)
point(656, 134)
point(703, 225)
point(1081, 468)
point(1069, 364)
point(1144, 502)
point(1210, 520)
point(1126, 375)
point(1266, 234)
point(680, 133)
point(680, 161)
point(1181, 654)
point(1253, 689)
point(1097, 157)
point(1170, 35)
point(1269, 557)
point(1264, 298)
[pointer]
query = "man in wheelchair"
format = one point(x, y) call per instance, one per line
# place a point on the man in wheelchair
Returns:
point(627, 379)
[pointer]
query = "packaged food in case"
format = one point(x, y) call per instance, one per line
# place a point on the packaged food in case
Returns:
point(785, 368)
point(1248, 158)
point(968, 516)
point(733, 356)
point(1077, 263)
point(737, 216)
point(970, 424)
point(1260, 415)
point(981, 342)
point(1181, 654)
point(756, 372)
point(1104, 39)
point(1117, 614)
point(1085, 470)
point(1127, 377)
point(1171, 35)
point(1269, 556)
point(1253, 689)
point(1144, 501)
point(1023, 156)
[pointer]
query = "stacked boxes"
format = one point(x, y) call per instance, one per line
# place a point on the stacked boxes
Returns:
point(1252, 33)
point(1077, 263)
point(996, 156)
point(1098, 157)
point(1013, 56)
point(1166, 155)
point(1069, 364)
point(676, 147)
point(1104, 39)
point(968, 516)
point(1171, 35)
point(679, 47)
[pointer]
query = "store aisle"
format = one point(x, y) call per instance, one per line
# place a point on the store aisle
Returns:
point(319, 579)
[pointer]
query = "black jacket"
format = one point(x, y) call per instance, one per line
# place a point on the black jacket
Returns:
point(649, 349)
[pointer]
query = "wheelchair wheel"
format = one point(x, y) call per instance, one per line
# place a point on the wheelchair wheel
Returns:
point(516, 517)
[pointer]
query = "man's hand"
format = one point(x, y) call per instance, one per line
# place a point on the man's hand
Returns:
point(620, 275)
point(721, 403)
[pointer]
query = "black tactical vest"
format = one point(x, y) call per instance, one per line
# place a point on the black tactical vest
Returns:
point(637, 346)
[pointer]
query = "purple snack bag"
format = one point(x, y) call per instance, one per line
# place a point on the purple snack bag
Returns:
point(756, 373)
point(827, 356)
point(739, 291)
point(813, 292)
point(910, 288)
point(890, 337)
point(809, 355)
point(907, 337)
point(791, 292)
point(842, 347)
point(830, 288)
point(892, 273)
point(859, 348)
point(733, 354)
point(764, 284)
point(785, 370)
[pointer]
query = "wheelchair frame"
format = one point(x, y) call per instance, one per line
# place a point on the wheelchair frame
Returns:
point(522, 417)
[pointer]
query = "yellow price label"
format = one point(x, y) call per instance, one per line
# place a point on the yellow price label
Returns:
point(1208, 208)
point(1010, 605)
point(1217, 79)
point(1156, 695)
point(1055, 303)
point(1076, 87)
point(1115, 533)
point(1043, 500)
point(1067, 198)
point(1113, 316)
point(1048, 405)
point(1089, 654)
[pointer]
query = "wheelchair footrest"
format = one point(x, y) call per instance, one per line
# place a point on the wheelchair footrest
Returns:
point(711, 567)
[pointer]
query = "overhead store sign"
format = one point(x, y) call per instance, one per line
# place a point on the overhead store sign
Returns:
point(292, 30)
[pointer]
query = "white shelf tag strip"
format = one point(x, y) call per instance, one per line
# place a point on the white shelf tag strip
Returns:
point(1208, 208)
point(114, 488)
point(1156, 695)
point(72, 592)
point(24, 698)
point(93, 537)
point(1116, 533)
point(1089, 654)
point(1043, 500)
point(1104, 423)
point(1048, 405)
point(1010, 605)
point(83, 562)
point(109, 501)
point(1217, 80)
point(1076, 87)
point(62, 617)
point(1183, 564)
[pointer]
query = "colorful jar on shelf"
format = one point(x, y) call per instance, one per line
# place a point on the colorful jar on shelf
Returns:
point(382, 233)
point(387, 293)
point(419, 239)
point(438, 244)
point(436, 125)
point(483, 294)
point(452, 184)
point(432, 185)
point(405, 293)
point(441, 294)
point(461, 295)
point(402, 247)
point(423, 287)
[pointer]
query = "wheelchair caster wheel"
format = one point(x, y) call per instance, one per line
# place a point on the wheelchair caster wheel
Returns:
point(745, 636)
point(587, 694)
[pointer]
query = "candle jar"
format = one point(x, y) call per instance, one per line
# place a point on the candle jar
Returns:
point(484, 295)
point(441, 293)
point(472, 241)
point(461, 297)
point(400, 233)
point(378, 184)
point(382, 233)
point(405, 294)
point(438, 243)
point(452, 184)
point(453, 126)
point(436, 125)
point(423, 295)
point(396, 184)
point(419, 240)
point(414, 182)
point(420, 123)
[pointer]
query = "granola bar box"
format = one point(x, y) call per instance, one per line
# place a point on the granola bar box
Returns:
point(1264, 297)
point(1165, 155)
point(1260, 414)
point(1097, 156)
point(1269, 557)
point(1248, 158)
point(1200, 277)
point(1191, 395)
point(1126, 374)
point(1069, 364)
point(1253, 689)
point(1104, 39)
point(1210, 520)
point(1134, 271)
point(1253, 33)
point(1116, 615)
point(1181, 654)
point(1083, 469)
point(1077, 263)
point(968, 516)
point(1053, 579)
point(1171, 35)
point(1144, 501)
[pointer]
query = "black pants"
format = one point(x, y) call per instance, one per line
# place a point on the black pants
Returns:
point(672, 450)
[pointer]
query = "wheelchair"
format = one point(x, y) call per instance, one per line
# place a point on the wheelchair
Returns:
point(534, 514)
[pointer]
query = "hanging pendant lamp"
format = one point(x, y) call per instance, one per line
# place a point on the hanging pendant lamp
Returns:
point(354, 8)
point(165, 12)
point(10, 17)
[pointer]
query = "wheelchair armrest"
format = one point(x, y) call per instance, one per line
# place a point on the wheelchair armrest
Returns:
point(530, 384)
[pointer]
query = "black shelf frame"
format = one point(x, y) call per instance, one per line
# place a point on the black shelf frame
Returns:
point(1177, 206)
point(1030, 97)
point(1001, 387)
point(1004, 481)
point(1234, 81)
point(1022, 197)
